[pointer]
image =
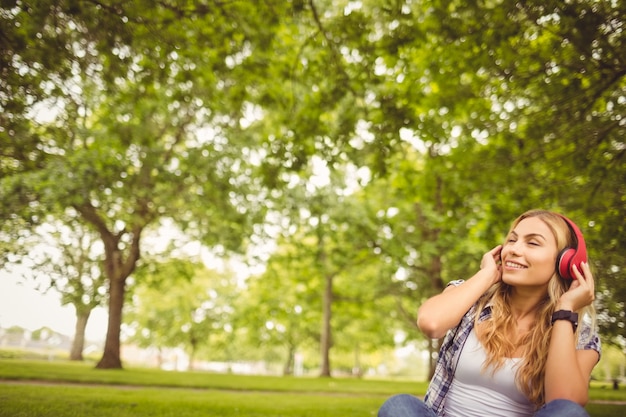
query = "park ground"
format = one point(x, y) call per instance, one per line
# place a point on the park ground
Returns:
point(41, 388)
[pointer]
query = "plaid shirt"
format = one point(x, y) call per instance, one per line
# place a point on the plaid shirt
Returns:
point(453, 344)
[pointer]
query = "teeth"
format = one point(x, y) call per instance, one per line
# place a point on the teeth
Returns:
point(514, 265)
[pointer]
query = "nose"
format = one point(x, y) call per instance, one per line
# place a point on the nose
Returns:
point(514, 248)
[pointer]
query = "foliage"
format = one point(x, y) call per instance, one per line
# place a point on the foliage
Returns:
point(321, 282)
point(499, 98)
point(64, 256)
point(456, 116)
point(183, 304)
point(611, 365)
point(163, 152)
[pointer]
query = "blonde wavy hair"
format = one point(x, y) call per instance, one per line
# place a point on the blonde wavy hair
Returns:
point(495, 332)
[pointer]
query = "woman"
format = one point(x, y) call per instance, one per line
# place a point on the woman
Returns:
point(513, 346)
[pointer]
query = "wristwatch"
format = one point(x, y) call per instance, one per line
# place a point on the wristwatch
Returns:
point(566, 315)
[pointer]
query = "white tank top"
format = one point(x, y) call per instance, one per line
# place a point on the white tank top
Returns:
point(475, 393)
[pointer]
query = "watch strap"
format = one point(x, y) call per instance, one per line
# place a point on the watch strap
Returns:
point(566, 315)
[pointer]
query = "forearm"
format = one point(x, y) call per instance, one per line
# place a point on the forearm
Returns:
point(566, 377)
point(442, 312)
point(568, 370)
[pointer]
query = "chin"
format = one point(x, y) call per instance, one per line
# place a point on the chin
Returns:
point(505, 280)
point(513, 279)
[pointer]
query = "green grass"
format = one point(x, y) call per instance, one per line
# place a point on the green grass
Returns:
point(62, 401)
point(17, 369)
point(30, 388)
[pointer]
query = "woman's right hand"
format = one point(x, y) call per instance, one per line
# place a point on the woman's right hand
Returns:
point(492, 262)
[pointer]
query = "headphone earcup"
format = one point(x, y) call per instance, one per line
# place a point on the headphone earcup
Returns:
point(564, 263)
point(572, 256)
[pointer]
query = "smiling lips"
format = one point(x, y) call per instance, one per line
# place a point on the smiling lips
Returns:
point(514, 265)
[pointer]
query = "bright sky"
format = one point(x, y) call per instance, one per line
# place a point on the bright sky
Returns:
point(22, 305)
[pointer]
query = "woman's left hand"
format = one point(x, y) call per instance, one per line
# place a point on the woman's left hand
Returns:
point(581, 292)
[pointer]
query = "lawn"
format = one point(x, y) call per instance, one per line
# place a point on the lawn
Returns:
point(64, 389)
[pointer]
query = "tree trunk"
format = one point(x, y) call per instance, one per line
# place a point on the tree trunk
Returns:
point(78, 344)
point(160, 357)
point(289, 363)
point(326, 337)
point(356, 368)
point(111, 355)
point(192, 353)
point(192, 358)
point(433, 350)
point(117, 269)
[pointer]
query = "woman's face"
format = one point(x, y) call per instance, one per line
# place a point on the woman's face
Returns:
point(529, 254)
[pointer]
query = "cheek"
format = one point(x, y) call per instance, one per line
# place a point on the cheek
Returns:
point(549, 262)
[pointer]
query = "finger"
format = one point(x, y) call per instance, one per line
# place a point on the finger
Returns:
point(495, 252)
point(583, 272)
point(585, 281)
point(586, 269)
point(576, 272)
point(575, 284)
point(588, 274)
point(580, 279)
point(580, 283)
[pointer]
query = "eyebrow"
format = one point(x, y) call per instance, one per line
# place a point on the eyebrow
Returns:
point(530, 235)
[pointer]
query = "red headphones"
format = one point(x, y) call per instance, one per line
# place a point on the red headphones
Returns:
point(571, 256)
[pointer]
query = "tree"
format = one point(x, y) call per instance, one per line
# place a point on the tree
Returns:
point(326, 269)
point(65, 257)
point(279, 309)
point(182, 304)
point(226, 104)
point(517, 105)
point(164, 152)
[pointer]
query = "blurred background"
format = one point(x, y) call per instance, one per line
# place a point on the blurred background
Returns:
point(275, 186)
